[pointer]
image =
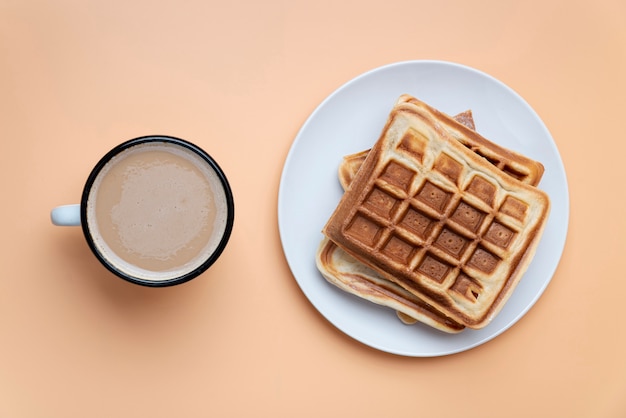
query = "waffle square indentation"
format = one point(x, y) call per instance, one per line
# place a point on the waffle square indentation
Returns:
point(434, 268)
point(483, 260)
point(398, 250)
point(413, 143)
point(514, 172)
point(417, 223)
point(514, 207)
point(449, 167)
point(364, 230)
point(381, 202)
point(499, 234)
point(434, 196)
point(451, 242)
point(468, 216)
point(482, 189)
point(467, 287)
point(398, 175)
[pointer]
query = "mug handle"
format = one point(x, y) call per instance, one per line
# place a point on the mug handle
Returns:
point(66, 215)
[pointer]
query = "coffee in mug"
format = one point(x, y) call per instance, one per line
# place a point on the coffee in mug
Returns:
point(155, 211)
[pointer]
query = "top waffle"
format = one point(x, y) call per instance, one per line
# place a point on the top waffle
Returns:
point(439, 219)
point(352, 276)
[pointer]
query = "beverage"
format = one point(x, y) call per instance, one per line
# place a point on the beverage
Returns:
point(156, 211)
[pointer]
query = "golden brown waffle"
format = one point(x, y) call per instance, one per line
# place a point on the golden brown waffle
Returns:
point(430, 215)
point(344, 271)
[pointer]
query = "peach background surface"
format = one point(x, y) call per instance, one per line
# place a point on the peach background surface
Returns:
point(239, 79)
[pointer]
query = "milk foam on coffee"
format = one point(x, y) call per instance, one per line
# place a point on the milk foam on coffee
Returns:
point(157, 211)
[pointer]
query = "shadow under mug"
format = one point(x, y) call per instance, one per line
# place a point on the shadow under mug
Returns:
point(156, 211)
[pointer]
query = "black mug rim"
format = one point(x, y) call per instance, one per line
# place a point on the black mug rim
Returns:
point(229, 204)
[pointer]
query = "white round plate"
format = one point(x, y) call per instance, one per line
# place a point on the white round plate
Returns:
point(350, 120)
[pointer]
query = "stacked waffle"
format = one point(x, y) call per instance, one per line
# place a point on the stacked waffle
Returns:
point(436, 221)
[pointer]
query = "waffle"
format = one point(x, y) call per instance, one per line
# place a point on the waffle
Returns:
point(437, 211)
point(344, 271)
